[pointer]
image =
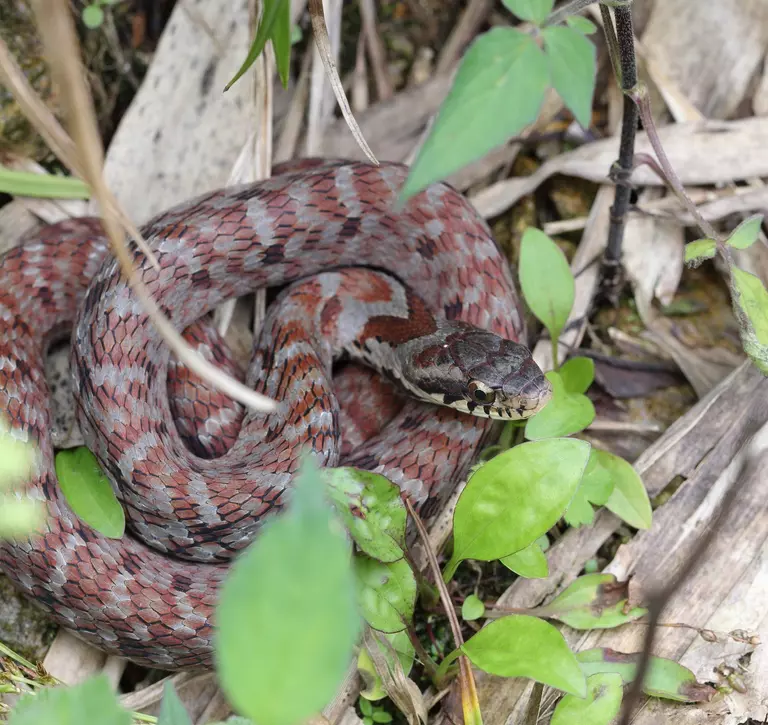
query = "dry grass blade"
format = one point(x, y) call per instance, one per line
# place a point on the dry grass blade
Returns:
point(320, 32)
point(375, 50)
point(60, 42)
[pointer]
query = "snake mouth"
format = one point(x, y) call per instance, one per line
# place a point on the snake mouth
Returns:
point(517, 408)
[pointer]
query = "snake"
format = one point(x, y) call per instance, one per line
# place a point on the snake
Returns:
point(416, 293)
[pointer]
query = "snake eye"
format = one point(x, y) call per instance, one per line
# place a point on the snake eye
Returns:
point(481, 393)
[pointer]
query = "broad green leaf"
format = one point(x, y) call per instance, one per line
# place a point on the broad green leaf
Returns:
point(46, 186)
point(372, 510)
point(270, 20)
point(546, 280)
point(565, 414)
point(287, 615)
point(93, 16)
point(17, 458)
point(498, 91)
point(401, 644)
point(386, 593)
point(172, 712)
point(593, 601)
point(581, 24)
point(281, 42)
point(573, 66)
point(696, 252)
point(20, 515)
point(596, 488)
point(599, 707)
point(629, 499)
point(746, 234)
point(90, 702)
point(664, 678)
point(529, 562)
point(514, 498)
point(472, 608)
point(523, 646)
point(89, 492)
point(577, 374)
point(750, 304)
point(534, 11)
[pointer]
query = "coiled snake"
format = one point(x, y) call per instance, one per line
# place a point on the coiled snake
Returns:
point(421, 293)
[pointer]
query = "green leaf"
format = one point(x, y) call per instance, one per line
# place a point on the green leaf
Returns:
point(581, 24)
point(172, 712)
point(386, 593)
point(746, 234)
point(498, 90)
point(629, 499)
point(529, 562)
point(90, 702)
point(573, 65)
point(472, 608)
point(381, 716)
point(599, 707)
point(93, 16)
point(287, 616)
point(665, 678)
point(534, 11)
point(596, 488)
point(89, 492)
point(514, 498)
point(696, 252)
point(17, 458)
point(281, 42)
point(546, 280)
point(577, 374)
point(372, 510)
point(46, 186)
point(20, 516)
point(750, 304)
point(593, 601)
point(523, 646)
point(269, 20)
point(565, 414)
point(401, 643)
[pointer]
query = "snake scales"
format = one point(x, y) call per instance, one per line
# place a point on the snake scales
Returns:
point(153, 602)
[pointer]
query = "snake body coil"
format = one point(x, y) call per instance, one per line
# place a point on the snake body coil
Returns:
point(421, 293)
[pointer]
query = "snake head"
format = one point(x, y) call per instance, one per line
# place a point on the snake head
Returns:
point(477, 372)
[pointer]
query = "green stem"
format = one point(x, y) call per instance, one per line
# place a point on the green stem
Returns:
point(570, 8)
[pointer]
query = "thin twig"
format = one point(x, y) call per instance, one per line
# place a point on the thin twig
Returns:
point(622, 170)
point(61, 45)
point(376, 51)
point(569, 8)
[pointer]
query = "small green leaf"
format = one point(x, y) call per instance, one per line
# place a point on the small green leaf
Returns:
point(696, 252)
point(287, 615)
point(281, 42)
point(172, 712)
point(565, 414)
point(599, 707)
point(629, 499)
point(573, 65)
point(270, 18)
point(746, 234)
point(381, 716)
point(372, 510)
point(546, 280)
point(46, 186)
point(89, 702)
point(529, 562)
point(401, 643)
point(386, 593)
point(523, 646)
point(498, 90)
point(577, 374)
point(514, 498)
point(596, 488)
point(17, 458)
point(20, 516)
point(472, 608)
point(750, 305)
point(365, 707)
point(665, 678)
point(581, 24)
point(534, 11)
point(593, 601)
point(89, 492)
point(93, 16)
